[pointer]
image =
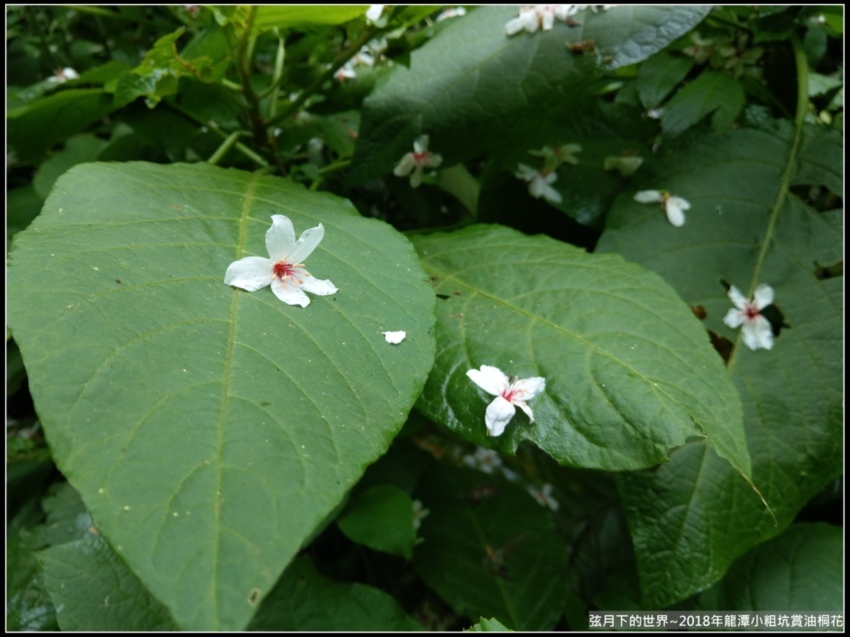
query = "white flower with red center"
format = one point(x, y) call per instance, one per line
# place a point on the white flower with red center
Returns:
point(485, 460)
point(283, 270)
point(674, 206)
point(539, 182)
point(756, 329)
point(417, 161)
point(509, 395)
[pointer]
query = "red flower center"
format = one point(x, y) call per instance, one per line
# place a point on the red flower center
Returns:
point(751, 311)
point(284, 270)
point(421, 158)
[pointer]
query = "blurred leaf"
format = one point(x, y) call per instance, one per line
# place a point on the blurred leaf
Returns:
point(821, 159)
point(488, 626)
point(496, 555)
point(659, 75)
point(629, 370)
point(691, 517)
point(304, 600)
point(28, 606)
point(712, 93)
point(271, 412)
point(799, 571)
point(475, 91)
point(37, 127)
point(78, 150)
point(93, 590)
point(304, 17)
point(22, 206)
point(382, 519)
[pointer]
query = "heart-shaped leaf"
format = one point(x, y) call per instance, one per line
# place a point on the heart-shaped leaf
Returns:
point(209, 429)
point(630, 372)
point(692, 517)
point(475, 90)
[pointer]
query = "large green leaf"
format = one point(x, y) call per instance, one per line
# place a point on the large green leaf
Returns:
point(490, 550)
point(208, 429)
point(475, 90)
point(801, 570)
point(692, 517)
point(629, 371)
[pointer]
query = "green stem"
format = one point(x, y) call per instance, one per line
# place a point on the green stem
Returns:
point(340, 59)
point(277, 78)
point(221, 151)
point(337, 165)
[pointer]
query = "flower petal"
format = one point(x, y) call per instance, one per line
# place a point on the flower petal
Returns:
point(498, 415)
point(526, 172)
point(763, 296)
point(758, 334)
point(394, 338)
point(289, 292)
point(249, 273)
point(321, 287)
point(550, 193)
point(434, 160)
point(305, 245)
point(737, 298)
point(734, 318)
point(490, 379)
point(676, 211)
point(420, 145)
point(280, 238)
point(648, 196)
point(525, 408)
point(528, 388)
point(416, 177)
point(404, 166)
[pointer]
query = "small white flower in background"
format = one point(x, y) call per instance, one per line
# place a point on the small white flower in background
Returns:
point(394, 337)
point(283, 271)
point(556, 155)
point(756, 329)
point(532, 17)
point(509, 395)
point(373, 13)
point(674, 206)
point(419, 514)
point(655, 113)
point(454, 12)
point(63, 75)
point(485, 460)
point(543, 495)
point(539, 183)
point(417, 161)
point(626, 165)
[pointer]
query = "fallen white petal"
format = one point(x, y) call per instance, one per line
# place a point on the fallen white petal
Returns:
point(394, 337)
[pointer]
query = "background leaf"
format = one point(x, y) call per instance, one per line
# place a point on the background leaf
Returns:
point(801, 570)
point(382, 519)
point(490, 549)
point(93, 590)
point(629, 371)
point(692, 517)
point(304, 600)
point(474, 90)
point(208, 429)
point(712, 93)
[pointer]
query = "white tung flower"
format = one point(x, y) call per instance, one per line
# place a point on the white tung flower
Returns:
point(532, 17)
point(485, 460)
point(417, 161)
point(394, 338)
point(544, 496)
point(674, 206)
point(419, 514)
point(283, 270)
point(756, 329)
point(539, 183)
point(373, 13)
point(508, 395)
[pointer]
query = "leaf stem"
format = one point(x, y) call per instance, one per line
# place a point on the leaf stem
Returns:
point(340, 59)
